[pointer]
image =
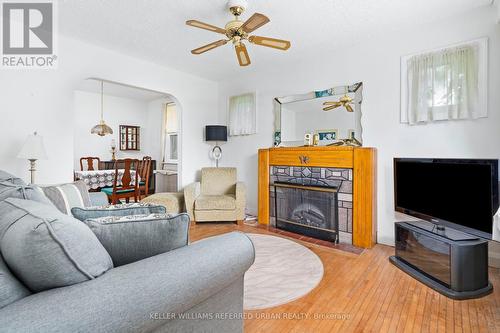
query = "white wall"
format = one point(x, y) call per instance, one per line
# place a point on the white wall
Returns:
point(376, 63)
point(117, 111)
point(43, 100)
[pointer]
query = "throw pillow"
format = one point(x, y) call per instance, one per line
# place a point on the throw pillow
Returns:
point(47, 249)
point(7, 177)
point(67, 196)
point(131, 238)
point(134, 208)
point(14, 189)
point(11, 290)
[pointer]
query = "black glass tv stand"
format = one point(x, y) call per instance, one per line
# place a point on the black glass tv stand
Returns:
point(441, 230)
point(453, 264)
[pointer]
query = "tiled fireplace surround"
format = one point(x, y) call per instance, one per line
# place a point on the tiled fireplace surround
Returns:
point(332, 177)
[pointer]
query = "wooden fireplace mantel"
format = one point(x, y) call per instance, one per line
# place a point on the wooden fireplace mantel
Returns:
point(362, 160)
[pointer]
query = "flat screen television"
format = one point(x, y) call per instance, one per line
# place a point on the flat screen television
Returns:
point(459, 193)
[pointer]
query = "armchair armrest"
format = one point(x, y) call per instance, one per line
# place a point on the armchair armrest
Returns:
point(241, 200)
point(191, 192)
point(98, 199)
point(126, 298)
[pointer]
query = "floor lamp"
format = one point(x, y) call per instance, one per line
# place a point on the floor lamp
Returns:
point(217, 134)
point(32, 151)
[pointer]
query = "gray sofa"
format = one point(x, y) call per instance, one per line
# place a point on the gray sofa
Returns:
point(202, 281)
point(195, 288)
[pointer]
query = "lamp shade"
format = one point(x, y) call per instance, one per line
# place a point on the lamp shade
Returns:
point(102, 129)
point(215, 133)
point(33, 148)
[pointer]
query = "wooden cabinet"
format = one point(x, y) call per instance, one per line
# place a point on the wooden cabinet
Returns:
point(130, 137)
point(361, 160)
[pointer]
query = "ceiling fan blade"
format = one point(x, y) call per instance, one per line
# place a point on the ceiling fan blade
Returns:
point(279, 44)
point(206, 26)
point(329, 108)
point(242, 54)
point(331, 103)
point(209, 47)
point(254, 22)
point(349, 108)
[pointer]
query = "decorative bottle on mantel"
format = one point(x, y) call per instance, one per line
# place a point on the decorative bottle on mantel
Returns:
point(316, 139)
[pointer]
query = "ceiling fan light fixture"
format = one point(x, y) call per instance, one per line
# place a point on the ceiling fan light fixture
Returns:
point(237, 31)
point(270, 42)
point(242, 54)
point(237, 7)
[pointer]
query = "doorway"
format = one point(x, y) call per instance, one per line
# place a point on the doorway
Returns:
point(151, 119)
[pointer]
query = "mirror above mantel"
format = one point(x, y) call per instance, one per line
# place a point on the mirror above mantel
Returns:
point(334, 114)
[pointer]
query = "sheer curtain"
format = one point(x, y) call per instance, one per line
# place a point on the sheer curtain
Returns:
point(242, 117)
point(443, 85)
point(168, 132)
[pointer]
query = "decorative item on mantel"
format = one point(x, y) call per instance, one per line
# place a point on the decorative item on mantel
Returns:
point(327, 136)
point(353, 142)
point(101, 129)
point(33, 150)
point(308, 139)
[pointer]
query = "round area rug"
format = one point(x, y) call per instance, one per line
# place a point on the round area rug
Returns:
point(282, 272)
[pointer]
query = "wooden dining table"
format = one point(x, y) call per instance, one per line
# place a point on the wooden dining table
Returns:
point(97, 179)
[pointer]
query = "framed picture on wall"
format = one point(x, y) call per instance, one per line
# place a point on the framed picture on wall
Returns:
point(327, 136)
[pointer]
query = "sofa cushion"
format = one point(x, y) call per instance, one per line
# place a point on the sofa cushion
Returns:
point(131, 238)
point(67, 196)
point(47, 249)
point(215, 202)
point(11, 290)
point(218, 181)
point(134, 208)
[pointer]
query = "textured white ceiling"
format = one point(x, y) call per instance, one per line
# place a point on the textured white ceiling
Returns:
point(155, 30)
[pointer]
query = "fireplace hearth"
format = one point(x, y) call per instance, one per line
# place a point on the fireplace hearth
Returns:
point(307, 209)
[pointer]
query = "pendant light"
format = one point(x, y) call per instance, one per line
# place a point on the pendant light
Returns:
point(102, 129)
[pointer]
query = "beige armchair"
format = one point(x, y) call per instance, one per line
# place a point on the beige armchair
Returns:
point(218, 197)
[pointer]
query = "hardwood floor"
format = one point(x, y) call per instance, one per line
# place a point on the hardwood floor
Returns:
point(363, 292)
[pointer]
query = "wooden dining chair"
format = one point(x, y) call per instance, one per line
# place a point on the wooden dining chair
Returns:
point(129, 185)
point(145, 174)
point(90, 163)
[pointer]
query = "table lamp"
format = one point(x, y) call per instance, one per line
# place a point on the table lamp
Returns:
point(33, 150)
point(218, 134)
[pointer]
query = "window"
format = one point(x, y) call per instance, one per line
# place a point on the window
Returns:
point(445, 84)
point(242, 115)
point(171, 153)
point(170, 135)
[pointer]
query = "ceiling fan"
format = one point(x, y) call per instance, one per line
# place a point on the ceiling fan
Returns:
point(238, 31)
point(344, 101)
